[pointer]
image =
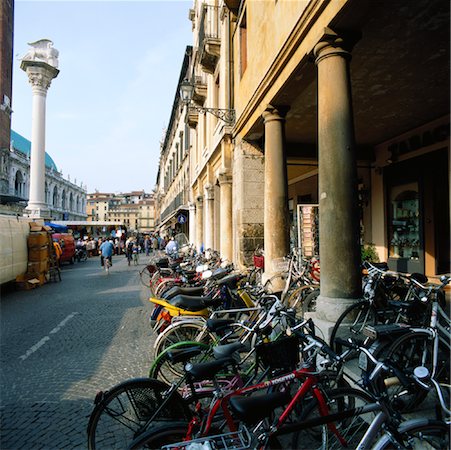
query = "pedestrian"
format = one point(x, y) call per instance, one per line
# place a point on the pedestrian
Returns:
point(147, 245)
point(172, 248)
point(58, 252)
point(129, 250)
point(135, 252)
point(154, 243)
point(106, 251)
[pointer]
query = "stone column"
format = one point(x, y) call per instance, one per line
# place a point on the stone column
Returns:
point(338, 202)
point(192, 222)
point(276, 223)
point(209, 216)
point(199, 222)
point(40, 74)
point(226, 243)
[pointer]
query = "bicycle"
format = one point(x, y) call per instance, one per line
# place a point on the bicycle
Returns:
point(388, 297)
point(125, 411)
point(107, 264)
point(428, 347)
point(349, 418)
point(252, 412)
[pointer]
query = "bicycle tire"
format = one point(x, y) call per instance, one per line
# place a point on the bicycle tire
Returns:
point(295, 298)
point(351, 323)
point(352, 428)
point(121, 413)
point(160, 436)
point(163, 369)
point(145, 276)
point(409, 351)
point(182, 331)
point(420, 434)
point(309, 303)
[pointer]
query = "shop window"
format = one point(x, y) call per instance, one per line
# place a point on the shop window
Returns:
point(404, 226)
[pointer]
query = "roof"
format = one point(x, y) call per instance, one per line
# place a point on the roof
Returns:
point(23, 145)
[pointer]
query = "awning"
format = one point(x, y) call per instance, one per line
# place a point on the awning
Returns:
point(57, 227)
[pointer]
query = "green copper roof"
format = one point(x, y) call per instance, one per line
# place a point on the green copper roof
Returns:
point(24, 146)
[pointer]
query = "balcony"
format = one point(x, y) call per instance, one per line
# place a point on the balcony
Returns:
point(209, 38)
point(200, 91)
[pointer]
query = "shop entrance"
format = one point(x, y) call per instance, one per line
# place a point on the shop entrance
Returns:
point(418, 215)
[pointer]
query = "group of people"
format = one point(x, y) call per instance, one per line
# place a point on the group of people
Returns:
point(131, 247)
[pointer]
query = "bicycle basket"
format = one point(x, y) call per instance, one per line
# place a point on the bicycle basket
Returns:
point(280, 354)
point(259, 261)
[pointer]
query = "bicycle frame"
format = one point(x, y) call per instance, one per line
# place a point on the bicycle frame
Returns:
point(309, 385)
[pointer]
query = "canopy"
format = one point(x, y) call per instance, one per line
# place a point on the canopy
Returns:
point(56, 227)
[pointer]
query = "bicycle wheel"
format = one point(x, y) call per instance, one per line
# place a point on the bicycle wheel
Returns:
point(418, 434)
point(145, 276)
point(165, 370)
point(295, 299)
point(182, 331)
point(122, 413)
point(351, 323)
point(309, 302)
point(160, 436)
point(350, 429)
point(412, 350)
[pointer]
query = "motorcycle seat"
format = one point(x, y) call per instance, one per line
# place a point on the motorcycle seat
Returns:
point(193, 303)
point(178, 290)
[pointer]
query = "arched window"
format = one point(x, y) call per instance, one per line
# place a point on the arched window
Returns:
point(63, 200)
point(71, 202)
point(47, 193)
point(55, 196)
point(19, 184)
point(77, 202)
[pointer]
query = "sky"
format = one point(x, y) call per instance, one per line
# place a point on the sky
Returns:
point(108, 107)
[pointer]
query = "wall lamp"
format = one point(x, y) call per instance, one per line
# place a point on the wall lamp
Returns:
point(186, 94)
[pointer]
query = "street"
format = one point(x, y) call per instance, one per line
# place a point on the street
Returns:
point(63, 342)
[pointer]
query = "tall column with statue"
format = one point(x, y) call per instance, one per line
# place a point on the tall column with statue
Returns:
point(41, 66)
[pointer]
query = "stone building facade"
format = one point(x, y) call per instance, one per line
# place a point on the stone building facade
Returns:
point(134, 209)
point(341, 105)
point(65, 199)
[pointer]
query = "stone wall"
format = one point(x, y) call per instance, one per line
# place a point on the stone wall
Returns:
point(248, 201)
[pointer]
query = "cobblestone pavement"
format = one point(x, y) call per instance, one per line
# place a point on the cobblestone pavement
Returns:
point(63, 342)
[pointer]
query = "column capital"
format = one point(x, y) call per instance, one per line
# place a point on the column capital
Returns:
point(274, 113)
point(224, 177)
point(209, 191)
point(40, 75)
point(335, 44)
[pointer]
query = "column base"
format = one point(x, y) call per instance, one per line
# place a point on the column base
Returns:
point(330, 308)
point(37, 211)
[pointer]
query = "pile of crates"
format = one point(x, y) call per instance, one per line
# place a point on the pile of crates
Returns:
point(40, 248)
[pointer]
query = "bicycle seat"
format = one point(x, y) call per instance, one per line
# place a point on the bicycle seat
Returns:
point(252, 409)
point(227, 350)
point(207, 370)
point(178, 290)
point(218, 324)
point(162, 263)
point(177, 355)
point(423, 279)
point(193, 303)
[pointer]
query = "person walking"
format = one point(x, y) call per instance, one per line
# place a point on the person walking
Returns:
point(147, 245)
